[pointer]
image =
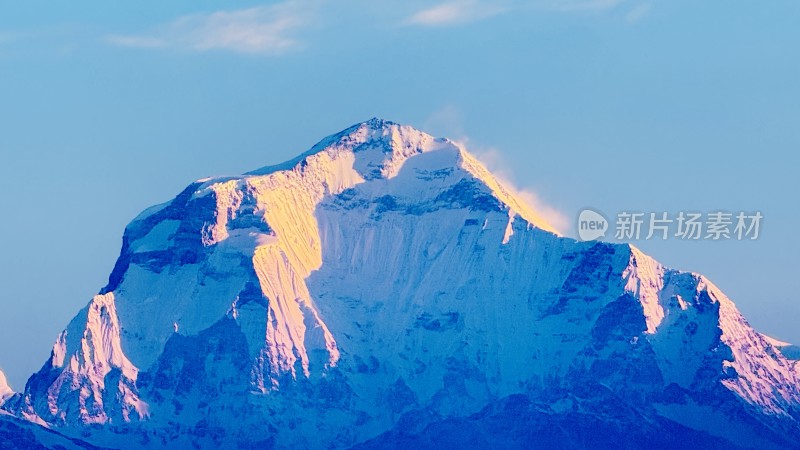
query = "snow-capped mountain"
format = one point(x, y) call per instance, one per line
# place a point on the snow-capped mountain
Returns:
point(5, 389)
point(383, 289)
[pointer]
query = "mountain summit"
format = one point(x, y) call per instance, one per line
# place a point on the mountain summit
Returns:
point(384, 290)
point(5, 389)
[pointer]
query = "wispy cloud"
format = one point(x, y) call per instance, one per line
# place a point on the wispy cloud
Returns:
point(459, 12)
point(446, 121)
point(455, 12)
point(502, 171)
point(449, 120)
point(585, 5)
point(638, 12)
point(259, 30)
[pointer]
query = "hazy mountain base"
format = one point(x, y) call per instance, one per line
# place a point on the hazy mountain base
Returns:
point(516, 422)
point(18, 434)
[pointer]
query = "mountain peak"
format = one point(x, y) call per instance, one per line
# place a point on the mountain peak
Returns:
point(380, 149)
point(375, 133)
point(5, 389)
point(379, 123)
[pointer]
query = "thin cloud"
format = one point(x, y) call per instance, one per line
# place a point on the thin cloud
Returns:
point(448, 119)
point(456, 12)
point(638, 12)
point(578, 6)
point(259, 30)
point(459, 12)
point(495, 162)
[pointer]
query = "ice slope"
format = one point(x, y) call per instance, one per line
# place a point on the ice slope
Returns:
point(384, 277)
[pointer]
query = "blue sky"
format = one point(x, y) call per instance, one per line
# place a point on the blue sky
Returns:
point(107, 108)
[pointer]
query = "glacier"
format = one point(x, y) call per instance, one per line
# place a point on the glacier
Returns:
point(384, 290)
